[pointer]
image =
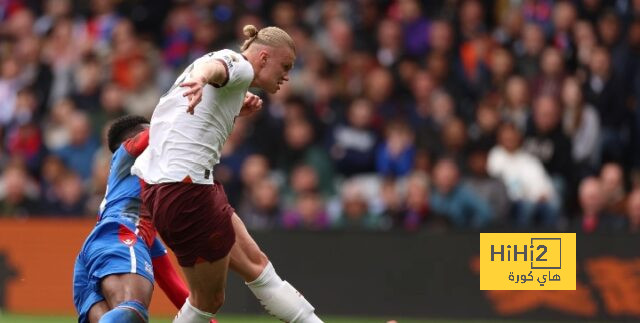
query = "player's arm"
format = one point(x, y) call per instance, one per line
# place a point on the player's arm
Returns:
point(166, 276)
point(214, 72)
point(136, 145)
point(252, 104)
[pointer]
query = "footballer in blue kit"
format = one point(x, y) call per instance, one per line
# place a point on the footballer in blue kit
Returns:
point(118, 246)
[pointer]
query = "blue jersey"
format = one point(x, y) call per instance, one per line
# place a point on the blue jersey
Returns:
point(122, 197)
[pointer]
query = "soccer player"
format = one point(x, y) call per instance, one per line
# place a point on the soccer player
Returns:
point(190, 210)
point(113, 275)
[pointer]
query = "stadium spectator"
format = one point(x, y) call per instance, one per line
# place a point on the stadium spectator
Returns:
point(56, 134)
point(472, 67)
point(18, 194)
point(470, 19)
point(51, 171)
point(179, 29)
point(454, 141)
point(441, 37)
point(415, 27)
point(545, 140)
point(298, 149)
point(581, 123)
point(36, 73)
point(516, 102)
point(501, 66)
point(23, 137)
point(482, 130)
point(552, 74)
point(72, 197)
point(303, 178)
point(528, 54)
point(20, 23)
point(538, 12)
point(454, 201)
point(395, 155)
point(308, 212)
point(564, 17)
point(260, 208)
point(613, 190)
point(233, 154)
point(379, 88)
point(390, 42)
point(529, 186)
point(111, 105)
point(417, 209)
point(102, 25)
point(586, 40)
point(254, 168)
point(610, 32)
point(422, 86)
point(143, 94)
point(633, 211)
point(352, 145)
point(355, 211)
point(62, 48)
point(10, 84)
point(390, 203)
point(78, 154)
point(87, 81)
point(429, 111)
point(53, 10)
point(487, 188)
point(603, 90)
point(594, 217)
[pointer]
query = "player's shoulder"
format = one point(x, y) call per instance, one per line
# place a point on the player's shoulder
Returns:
point(230, 57)
point(121, 152)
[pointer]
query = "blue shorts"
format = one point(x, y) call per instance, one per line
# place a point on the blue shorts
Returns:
point(111, 248)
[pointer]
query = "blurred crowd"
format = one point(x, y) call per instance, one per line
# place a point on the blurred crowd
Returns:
point(400, 114)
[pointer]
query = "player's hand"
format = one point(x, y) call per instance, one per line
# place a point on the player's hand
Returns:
point(252, 103)
point(194, 92)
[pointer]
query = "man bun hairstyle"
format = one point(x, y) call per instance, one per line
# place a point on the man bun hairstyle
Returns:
point(123, 128)
point(269, 36)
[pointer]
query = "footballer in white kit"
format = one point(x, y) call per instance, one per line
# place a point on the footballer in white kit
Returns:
point(190, 210)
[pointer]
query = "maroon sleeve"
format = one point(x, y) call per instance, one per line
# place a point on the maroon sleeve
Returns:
point(136, 145)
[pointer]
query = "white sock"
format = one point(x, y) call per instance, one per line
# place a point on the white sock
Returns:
point(280, 299)
point(189, 314)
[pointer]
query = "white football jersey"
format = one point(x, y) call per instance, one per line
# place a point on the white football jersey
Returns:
point(181, 144)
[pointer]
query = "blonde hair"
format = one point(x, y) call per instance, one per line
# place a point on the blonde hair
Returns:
point(269, 36)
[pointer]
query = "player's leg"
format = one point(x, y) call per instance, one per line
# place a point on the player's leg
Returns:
point(247, 260)
point(119, 271)
point(128, 296)
point(125, 287)
point(278, 297)
point(89, 303)
point(97, 311)
point(207, 281)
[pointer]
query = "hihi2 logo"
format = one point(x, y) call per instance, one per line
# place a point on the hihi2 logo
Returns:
point(527, 261)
